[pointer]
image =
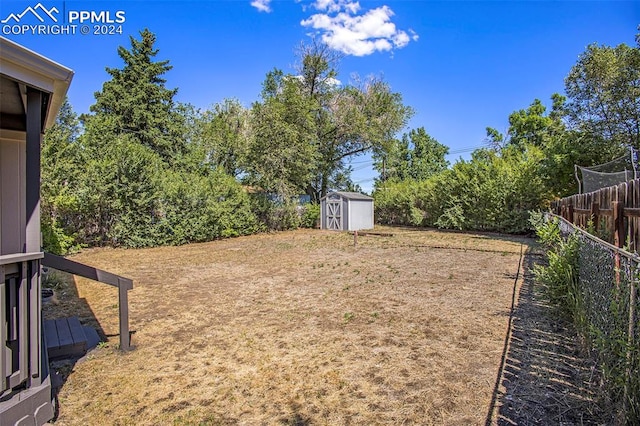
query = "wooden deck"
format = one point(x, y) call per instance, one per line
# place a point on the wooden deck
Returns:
point(67, 338)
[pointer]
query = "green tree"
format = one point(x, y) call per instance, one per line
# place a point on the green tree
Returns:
point(60, 169)
point(136, 101)
point(393, 163)
point(604, 93)
point(280, 155)
point(428, 155)
point(321, 120)
point(495, 140)
point(223, 133)
point(364, 119)
point(416, 156)
point(531, 126)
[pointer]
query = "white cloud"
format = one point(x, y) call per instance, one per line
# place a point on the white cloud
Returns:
point(344, 27)
point(333, 6)
point(357, 34)
point(331, 82)
point(262, 5)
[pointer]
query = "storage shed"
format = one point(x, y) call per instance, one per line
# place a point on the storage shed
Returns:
point(346, 211)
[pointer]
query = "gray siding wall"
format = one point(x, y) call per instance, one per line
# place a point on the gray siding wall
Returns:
point(12, 196)
point(361, 215)
point(345, 214)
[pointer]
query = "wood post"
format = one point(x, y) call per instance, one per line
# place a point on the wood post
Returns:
point(3, 337)
point(32, 172)
point(618, 236)
point(570, 212)
point(595, 215)
point(123, 307)
point(618, 224)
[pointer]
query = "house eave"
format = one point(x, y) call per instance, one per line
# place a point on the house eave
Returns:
point(34, 70)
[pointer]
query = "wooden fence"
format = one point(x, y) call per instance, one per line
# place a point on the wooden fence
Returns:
point(613, 212)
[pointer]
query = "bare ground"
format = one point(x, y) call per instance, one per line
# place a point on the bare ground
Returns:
point(297, 328)
point(547, 377)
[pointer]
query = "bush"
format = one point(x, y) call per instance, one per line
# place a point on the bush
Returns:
point(54, 238)
point(489, 193)
point(310, 217)
point(396, 203)
point(197, 208)
point(275, 215)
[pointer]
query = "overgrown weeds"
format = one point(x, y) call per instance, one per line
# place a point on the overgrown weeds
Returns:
point(595, 286)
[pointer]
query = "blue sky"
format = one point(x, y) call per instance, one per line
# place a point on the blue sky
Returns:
point(462, 65)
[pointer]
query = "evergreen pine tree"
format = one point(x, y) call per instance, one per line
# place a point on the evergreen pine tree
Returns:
point(135, 101)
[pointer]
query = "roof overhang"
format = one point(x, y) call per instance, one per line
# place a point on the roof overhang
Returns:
point(22, 69)
point(349, 196)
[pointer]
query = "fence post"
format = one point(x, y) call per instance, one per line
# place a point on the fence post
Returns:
point(618, 236)
point(570, 212)
point(631, 336)
point(123, 307)
point(595, 215)
point(618, 224)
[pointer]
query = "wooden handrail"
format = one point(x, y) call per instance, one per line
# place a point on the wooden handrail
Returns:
point(7, 259)
point(124, 284)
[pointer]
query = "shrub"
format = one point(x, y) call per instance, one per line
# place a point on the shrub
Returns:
point(310, 217)
point(274, 214)
point(396, 203)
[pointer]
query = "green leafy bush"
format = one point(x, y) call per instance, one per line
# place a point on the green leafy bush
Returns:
point(560, 275)
point(275, 214)
point(396, 203)
point(491, 192)
point(310, 217)
point(196, 208)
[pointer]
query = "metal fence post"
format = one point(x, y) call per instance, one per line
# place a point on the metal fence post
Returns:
point(633, 296)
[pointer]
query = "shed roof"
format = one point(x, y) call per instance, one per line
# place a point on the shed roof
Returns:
point(350, 195)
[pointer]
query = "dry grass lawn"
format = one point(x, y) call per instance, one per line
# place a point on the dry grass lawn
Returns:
point(295, 328)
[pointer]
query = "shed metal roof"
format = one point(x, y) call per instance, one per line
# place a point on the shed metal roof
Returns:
point(351, 195)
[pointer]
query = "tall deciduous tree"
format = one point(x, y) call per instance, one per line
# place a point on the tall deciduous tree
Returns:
point(393, 163)
point(323, 121)
point(222, 138)
point(281, 157)
point(427, 156)
point(531, 126)
point(562, 147)
point(604, 93)
point(416, 156)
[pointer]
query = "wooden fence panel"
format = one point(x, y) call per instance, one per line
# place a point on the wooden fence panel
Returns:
point(613, 213)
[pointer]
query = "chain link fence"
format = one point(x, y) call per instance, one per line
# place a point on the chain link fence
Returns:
point(607, 316)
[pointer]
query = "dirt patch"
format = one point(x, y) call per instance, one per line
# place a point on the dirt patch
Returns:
point(296, 328)
point(547, 377)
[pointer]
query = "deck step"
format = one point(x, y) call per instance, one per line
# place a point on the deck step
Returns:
point(67, 338)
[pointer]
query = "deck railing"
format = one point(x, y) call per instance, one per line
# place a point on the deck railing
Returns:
point(20, 349)
point(123, 284)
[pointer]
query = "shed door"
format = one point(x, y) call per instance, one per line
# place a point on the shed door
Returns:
point(334, 214)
